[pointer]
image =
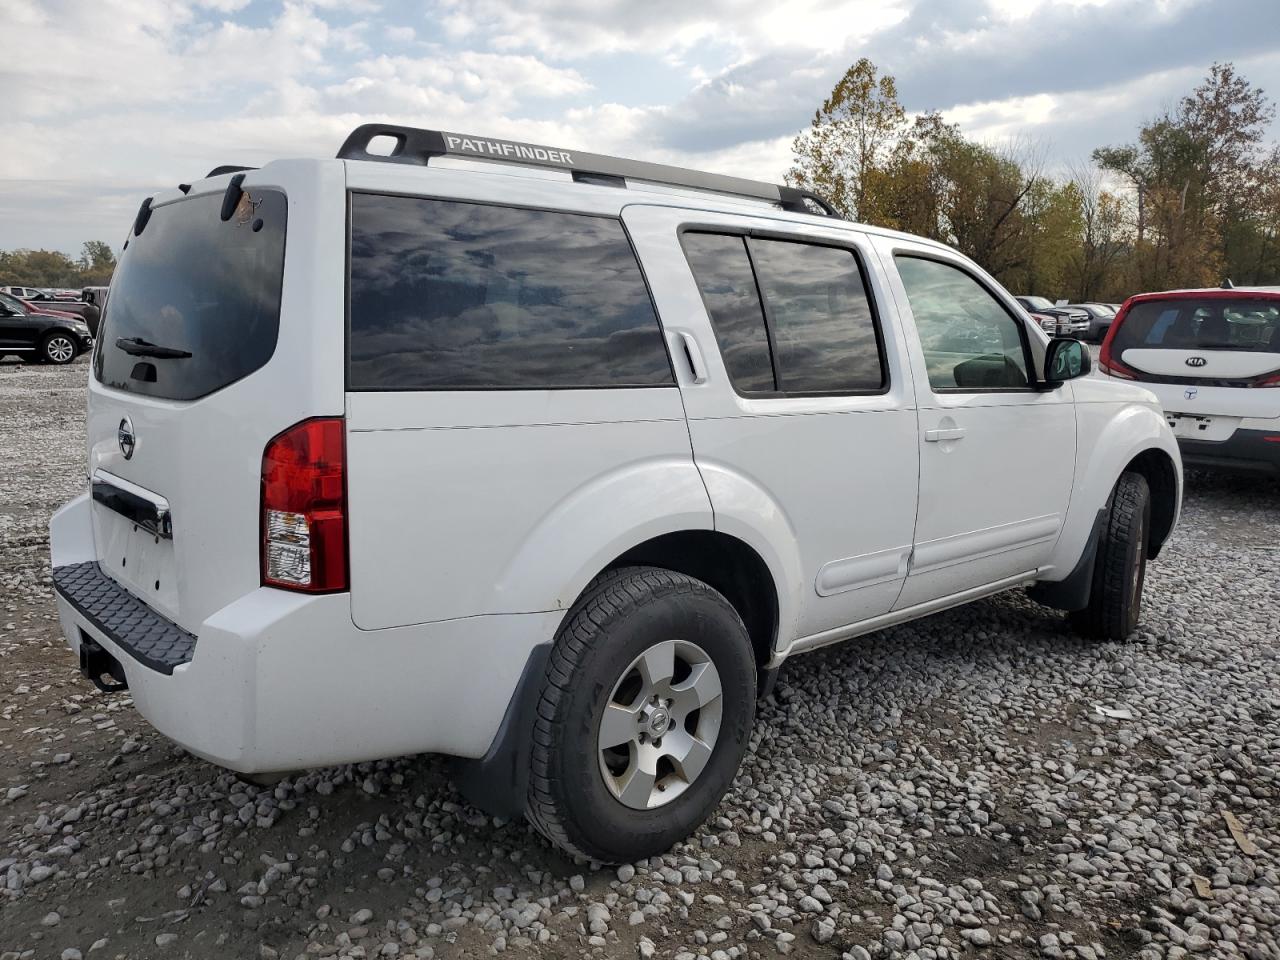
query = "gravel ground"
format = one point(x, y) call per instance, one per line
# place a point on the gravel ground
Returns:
point(943, 789)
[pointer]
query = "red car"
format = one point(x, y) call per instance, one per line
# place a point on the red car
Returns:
point(42, 311)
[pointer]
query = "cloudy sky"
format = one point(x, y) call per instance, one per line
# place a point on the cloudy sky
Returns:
point(104, 100)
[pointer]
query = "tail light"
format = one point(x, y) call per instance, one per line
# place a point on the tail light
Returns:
point(1106, 359)
point(304, 508)
point(1269, 380)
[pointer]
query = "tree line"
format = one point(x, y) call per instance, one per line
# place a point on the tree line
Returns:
point(1192, 201)
point(52, 268)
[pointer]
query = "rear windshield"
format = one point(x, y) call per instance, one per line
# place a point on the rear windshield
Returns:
point(196, 284)
point(1211, 324)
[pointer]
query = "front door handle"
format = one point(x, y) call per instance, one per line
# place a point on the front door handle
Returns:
point(947, 433)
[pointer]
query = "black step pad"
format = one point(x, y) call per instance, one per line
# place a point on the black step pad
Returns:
point(127, 621)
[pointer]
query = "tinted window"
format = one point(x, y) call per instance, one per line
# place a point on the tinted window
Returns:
point(723, 270)
point(448, 295)
point(1208, 324)
point(970, 342)
point(823, 330)
point(196, 283)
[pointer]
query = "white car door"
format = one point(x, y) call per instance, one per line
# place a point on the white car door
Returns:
point(997, 453)
point(798, 398)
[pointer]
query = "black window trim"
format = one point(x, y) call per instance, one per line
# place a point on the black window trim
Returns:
point(749, 233)
point(1034, 383)
point(644, 278)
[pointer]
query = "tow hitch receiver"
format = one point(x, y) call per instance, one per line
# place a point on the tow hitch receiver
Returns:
point(94, 662)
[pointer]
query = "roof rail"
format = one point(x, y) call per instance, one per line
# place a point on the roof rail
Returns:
point(415, 146)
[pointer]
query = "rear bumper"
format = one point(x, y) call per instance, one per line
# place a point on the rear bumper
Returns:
point(280, 681)
point(1245, 450)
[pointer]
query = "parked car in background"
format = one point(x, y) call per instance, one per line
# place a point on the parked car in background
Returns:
point(45, 335)
point(1046, 321)
point(1070, 321)
point(25, 293)
point(95, 300)
point(44, 309)
point(1213, 358)
point(1100, 317)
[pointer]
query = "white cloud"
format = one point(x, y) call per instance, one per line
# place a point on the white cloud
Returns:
point(570, 29)
point(128, 95)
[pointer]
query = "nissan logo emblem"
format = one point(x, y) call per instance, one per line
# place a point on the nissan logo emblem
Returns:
point(1196, 361)
point(126, 438)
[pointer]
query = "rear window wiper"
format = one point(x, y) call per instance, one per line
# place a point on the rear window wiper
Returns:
point(136, 346)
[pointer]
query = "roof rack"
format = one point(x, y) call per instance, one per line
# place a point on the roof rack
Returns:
point(415, 146)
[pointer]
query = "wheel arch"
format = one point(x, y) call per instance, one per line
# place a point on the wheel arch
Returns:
point(1161, 474)
point(1111, 442)
point(727, 565)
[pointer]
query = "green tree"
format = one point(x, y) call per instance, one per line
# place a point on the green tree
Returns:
point(849, 138)
point(52, 268)
point(97, 263)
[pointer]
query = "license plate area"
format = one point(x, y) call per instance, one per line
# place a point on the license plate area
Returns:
point(138, 558)
point(1189, 426)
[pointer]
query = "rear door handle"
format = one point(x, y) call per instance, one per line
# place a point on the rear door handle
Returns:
point(949, 433)
point(693, 356)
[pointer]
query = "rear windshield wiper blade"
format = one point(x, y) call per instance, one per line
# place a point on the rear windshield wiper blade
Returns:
point(136, 346)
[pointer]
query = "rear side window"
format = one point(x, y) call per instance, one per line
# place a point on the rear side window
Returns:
point(448, 295)
point(823, 330)
point(970, 342)
point(196, 284)
point(1201, 324)
point(789, 317)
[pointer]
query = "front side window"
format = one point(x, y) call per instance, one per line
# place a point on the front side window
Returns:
point(790, 317)
point(970, 341)
point(447, 295)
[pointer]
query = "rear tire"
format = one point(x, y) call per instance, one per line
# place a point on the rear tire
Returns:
point(57, 348)
point(1120, 568)
point(660, 663)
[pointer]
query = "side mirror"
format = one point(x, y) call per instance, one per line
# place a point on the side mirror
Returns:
point(1066, 359)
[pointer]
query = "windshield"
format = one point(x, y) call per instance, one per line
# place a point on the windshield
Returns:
point(1208, 324)
point(196, 284)
point(1035, 303)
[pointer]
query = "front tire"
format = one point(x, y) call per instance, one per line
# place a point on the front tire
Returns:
point(57, 348)
point(644, 715)
point(1120, 568)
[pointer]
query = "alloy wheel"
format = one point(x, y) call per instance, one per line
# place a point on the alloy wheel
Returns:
point(660, 724)
point(60, 350)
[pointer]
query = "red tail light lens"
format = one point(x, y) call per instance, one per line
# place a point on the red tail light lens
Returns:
point(1107, 361)
point(1270, 380)
point(304, 508)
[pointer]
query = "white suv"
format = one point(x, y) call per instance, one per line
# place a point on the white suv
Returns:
point(1212, 357)
point(548, 461)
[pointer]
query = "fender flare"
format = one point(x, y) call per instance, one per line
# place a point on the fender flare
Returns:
point(613, 512)
point(745, 510)
point(1127, 434)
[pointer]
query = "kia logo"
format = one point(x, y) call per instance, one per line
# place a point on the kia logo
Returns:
point(1196, 361)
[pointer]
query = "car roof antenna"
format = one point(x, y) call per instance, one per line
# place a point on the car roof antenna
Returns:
point(1227, 284)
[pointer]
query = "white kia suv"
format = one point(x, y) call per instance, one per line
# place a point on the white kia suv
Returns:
point(548, 461)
